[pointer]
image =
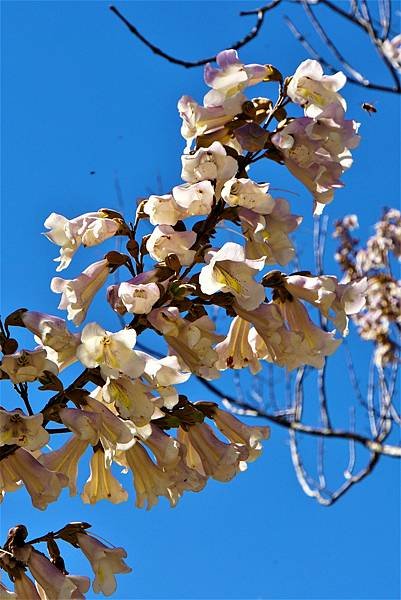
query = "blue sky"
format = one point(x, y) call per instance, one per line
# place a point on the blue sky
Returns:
point(81, 95)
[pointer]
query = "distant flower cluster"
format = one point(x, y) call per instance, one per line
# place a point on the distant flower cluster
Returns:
point(381, 316)
point(132, 418)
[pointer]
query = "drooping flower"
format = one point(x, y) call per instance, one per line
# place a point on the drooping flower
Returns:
point(9, 479)
point(77, 294)
point(6, 594)
point(25, 588)
point(102, 485)
point(200, 120)
point(25, 431)
point(54, 583)
point(65, 460)
point(42, 485)
point(229, 271)
point(150, 481)
point(317, 151)
point(51, 332)
point(164, 240)
point(234, 351)
point(267, 235)
point(240, 433)
point(249, 194)
point(105, 562)
point(316, 343)
point(89, 229)
point(191, 341)
point(313, 90)
point(27, 365)
point(334, 300)
point(209, 455)
point(132, 399)
point(84, 424)
point(111, 351)
point(271, 340)
point(165, 448)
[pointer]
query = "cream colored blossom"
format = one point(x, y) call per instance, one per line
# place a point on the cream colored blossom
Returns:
point(163, 210)
point(89, 229)
point(313, 90)
point(52, 333)
point(6, 594)
point(77, 294)
point(27, 365)
point(111, 351)
point(248, 194)
point(138, 298)
point(42, 485)
point(234, 351)
point(132, 399)
point(229, 271)
point(211, 163)
point(84, 424)
point(240, 433)
point(25, 588)
point(195, 198)
point(191, 341)
point(65, 460)
point(164, 240)
point(9, 479)
point(150, 481)
point(54, 583)
point(105, 562)
point(102, 485)
point(210, 456)
point(25, 431)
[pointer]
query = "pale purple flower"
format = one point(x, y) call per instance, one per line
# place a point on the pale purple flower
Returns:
point(105, 562)
point(231, 77)
point(313, 90)
point(317, 151)
point(77, 294)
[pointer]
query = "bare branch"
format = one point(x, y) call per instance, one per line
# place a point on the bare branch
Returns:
point(188, 64)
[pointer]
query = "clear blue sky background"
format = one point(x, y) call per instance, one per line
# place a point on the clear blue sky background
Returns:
point(80, 95)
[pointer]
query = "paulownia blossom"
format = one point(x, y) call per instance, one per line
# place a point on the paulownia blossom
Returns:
point(313, 90)
point(105, 562)
point(27, 365)
point(229, 271)
point(77, 294)
point(111, 351)
point(317, 151)
point(89, 229)
point(137, 416)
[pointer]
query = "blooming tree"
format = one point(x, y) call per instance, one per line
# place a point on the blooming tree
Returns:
point(126, 408)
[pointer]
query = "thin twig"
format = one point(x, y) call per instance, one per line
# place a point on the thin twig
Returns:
point(188, 64)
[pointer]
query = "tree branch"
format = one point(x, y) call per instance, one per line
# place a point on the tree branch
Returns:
point(188, 64)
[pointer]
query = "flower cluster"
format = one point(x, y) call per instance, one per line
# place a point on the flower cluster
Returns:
point(50, 579)
point(381, 317)
point(136, 421)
